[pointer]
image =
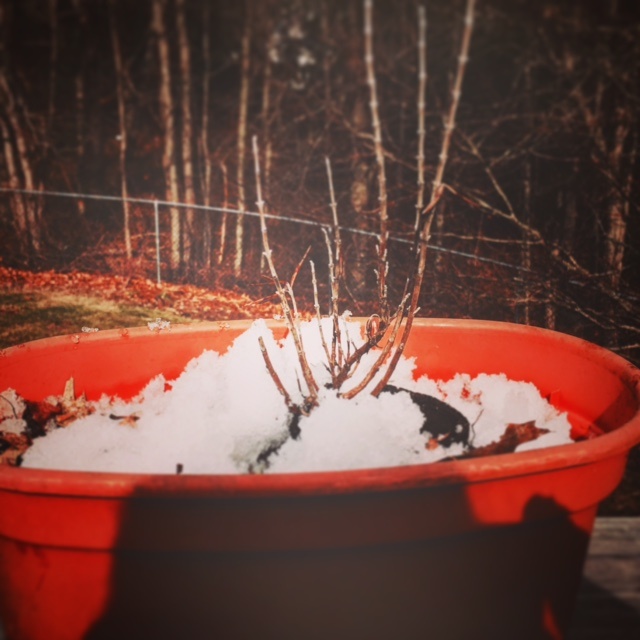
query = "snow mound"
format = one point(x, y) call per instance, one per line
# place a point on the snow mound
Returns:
point(224, 415)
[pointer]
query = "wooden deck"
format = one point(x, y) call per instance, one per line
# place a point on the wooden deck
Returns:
point(608, 605)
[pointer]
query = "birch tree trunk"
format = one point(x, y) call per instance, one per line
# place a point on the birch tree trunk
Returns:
point(242, 137)
point(122, 128)
point(167, 118)
point(205, 159)
point(188, 232)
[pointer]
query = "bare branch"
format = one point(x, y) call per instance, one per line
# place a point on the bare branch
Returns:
point(450, 123)
point(383, 214)
point(274, 375)
point(373, 371)
point(337, 355)
point(289, 315)
point(296, 271)
point(487, 168)
point(316, 305)
point(336, 225)
point(422, 238)
point(225, 206)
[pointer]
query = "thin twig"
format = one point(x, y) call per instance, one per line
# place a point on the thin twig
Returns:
point(336, 341)
point(336, 225)
point(225, 205)
point(335, 269)
point(357, 355)
point(422, 238)
point(290, 320)
point(15, 414)
point(316, 304)
point(373, 370)
point(274, 375)
point(296, 271)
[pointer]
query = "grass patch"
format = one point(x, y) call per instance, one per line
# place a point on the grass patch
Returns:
point(28, 316)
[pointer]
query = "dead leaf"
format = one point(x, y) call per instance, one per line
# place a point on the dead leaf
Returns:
point(12, 446)
point(511, 439)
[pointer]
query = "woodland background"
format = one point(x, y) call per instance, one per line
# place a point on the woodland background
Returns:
point(158, 100)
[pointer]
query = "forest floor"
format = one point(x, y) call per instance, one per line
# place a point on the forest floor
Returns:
point(37, 305)
point(48, 303)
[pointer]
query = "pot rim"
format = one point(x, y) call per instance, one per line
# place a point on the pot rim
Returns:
point(117, 485)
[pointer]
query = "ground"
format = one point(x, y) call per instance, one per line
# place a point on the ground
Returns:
point(44, 304)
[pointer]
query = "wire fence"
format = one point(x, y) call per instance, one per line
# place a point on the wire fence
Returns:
point(537, 292)
point(154, 206)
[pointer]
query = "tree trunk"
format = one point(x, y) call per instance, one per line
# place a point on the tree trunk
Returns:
point(168, 122)
point(122, 128)
point(24, 173)
point(225, 206)
point(266, 113)
point(189, 231)
point(242, 136)
point(81, 44)
point(620, 199)
point(16, 199)
point(615, 240)
point(205, 160)
point(53, 60)
point(527, 202)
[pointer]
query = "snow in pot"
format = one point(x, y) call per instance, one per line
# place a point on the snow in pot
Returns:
point(224, 415)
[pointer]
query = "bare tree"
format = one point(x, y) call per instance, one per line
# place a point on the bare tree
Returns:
point(187, 130)
point(225, 205)
point(79, 91)
point(122, 127)
point(383, 213)
point(265, 115)
point(20, 169)
point(167, 118)
point(242, 136)
point(53, 60)
point(205, 153)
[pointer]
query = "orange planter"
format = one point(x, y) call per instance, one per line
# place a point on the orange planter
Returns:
point(480, 548)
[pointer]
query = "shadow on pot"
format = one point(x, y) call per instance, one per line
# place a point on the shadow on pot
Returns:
point(507, 582)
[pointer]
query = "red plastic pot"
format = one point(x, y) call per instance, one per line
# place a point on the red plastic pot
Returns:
point(480, 548)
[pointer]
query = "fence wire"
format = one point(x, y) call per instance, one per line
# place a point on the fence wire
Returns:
point(298, 219)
